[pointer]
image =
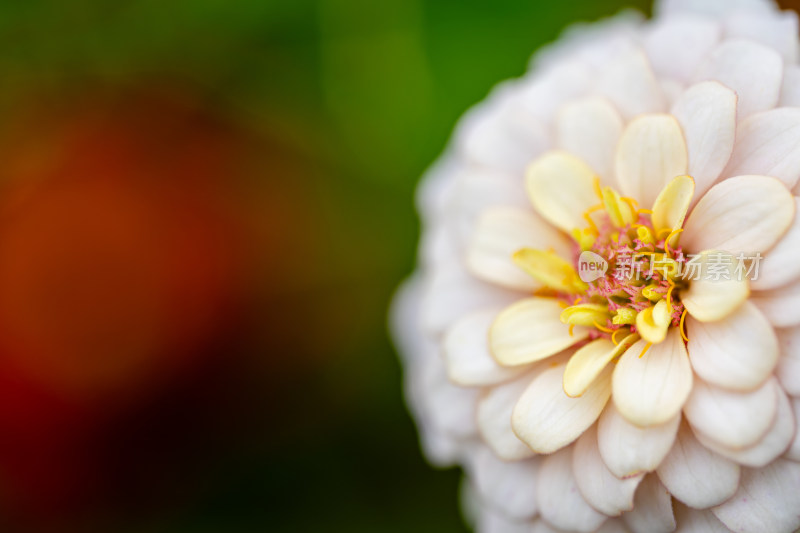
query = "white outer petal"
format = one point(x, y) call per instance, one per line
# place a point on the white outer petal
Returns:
point(734, 419)
point(793, 452)
point(631, 86)
point(788, 371)
point(745, 214)
point(542, 94)
point(501, 134)
point(613, 525)
point(650, 153)
point(404, 324)
point(672, 90)
point(466, 352)
point(753, 70)
point(423, 367)
point(780, 305)
point(475, 190)
point(652, 389)
point(449, 291)
point(696, 521)
point(547, 419)
point(560, 502)
point(491, 521)
point(600, 488)
point(790, 92)
point(438, 244)
point(508, 486)
point(767, 500)
point(777, 440)
point(695, 475)
point(738, 352)
point(652, 508)
point(768, 144)
point(590, 129)
point(707, 113)
point(494, 417)
point(776, 30)
point(440, 448)
point(714, 8)
point(499, 233)
point(780, 265)
point(436, 186)
point(450, 408)
point(676, 45)
point(540, 526)
point(628, 449)
point(595, 45)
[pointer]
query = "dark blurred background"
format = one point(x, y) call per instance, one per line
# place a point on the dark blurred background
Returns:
point(205, 206)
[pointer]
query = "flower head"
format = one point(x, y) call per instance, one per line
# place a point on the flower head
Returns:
point(604, 329)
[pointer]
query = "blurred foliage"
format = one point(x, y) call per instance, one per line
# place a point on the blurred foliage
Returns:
point(351, 100)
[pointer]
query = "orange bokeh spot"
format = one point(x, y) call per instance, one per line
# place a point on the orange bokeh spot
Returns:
point(117, 257)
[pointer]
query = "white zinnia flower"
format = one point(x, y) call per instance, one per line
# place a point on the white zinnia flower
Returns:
point(621, 403)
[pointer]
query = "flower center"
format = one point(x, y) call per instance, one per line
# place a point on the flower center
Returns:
point(625, 276)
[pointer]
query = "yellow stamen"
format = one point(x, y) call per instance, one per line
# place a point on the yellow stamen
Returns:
point(647, 347)
point(614, 337)
point(644, 211)
point(592, 226)
point(681, 326)
point(603, 328)
point(572, 330)
point(597, 189)
point(668, 267)
point(663, 231)
point(631, 202)
point(666, 241)
point(588, 217)
point(669, 293)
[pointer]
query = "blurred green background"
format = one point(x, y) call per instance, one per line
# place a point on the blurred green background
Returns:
point(338, 106)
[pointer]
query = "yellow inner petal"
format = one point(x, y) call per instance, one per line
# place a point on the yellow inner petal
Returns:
point(589, 361)
point(585, 238)
point(653, 322)
point(715, 289)
point(550, 270)
point(645, 235)
point(619, 211)
point(560, 187)
point(586, 315)
point(624, 316)
point(669, 209)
